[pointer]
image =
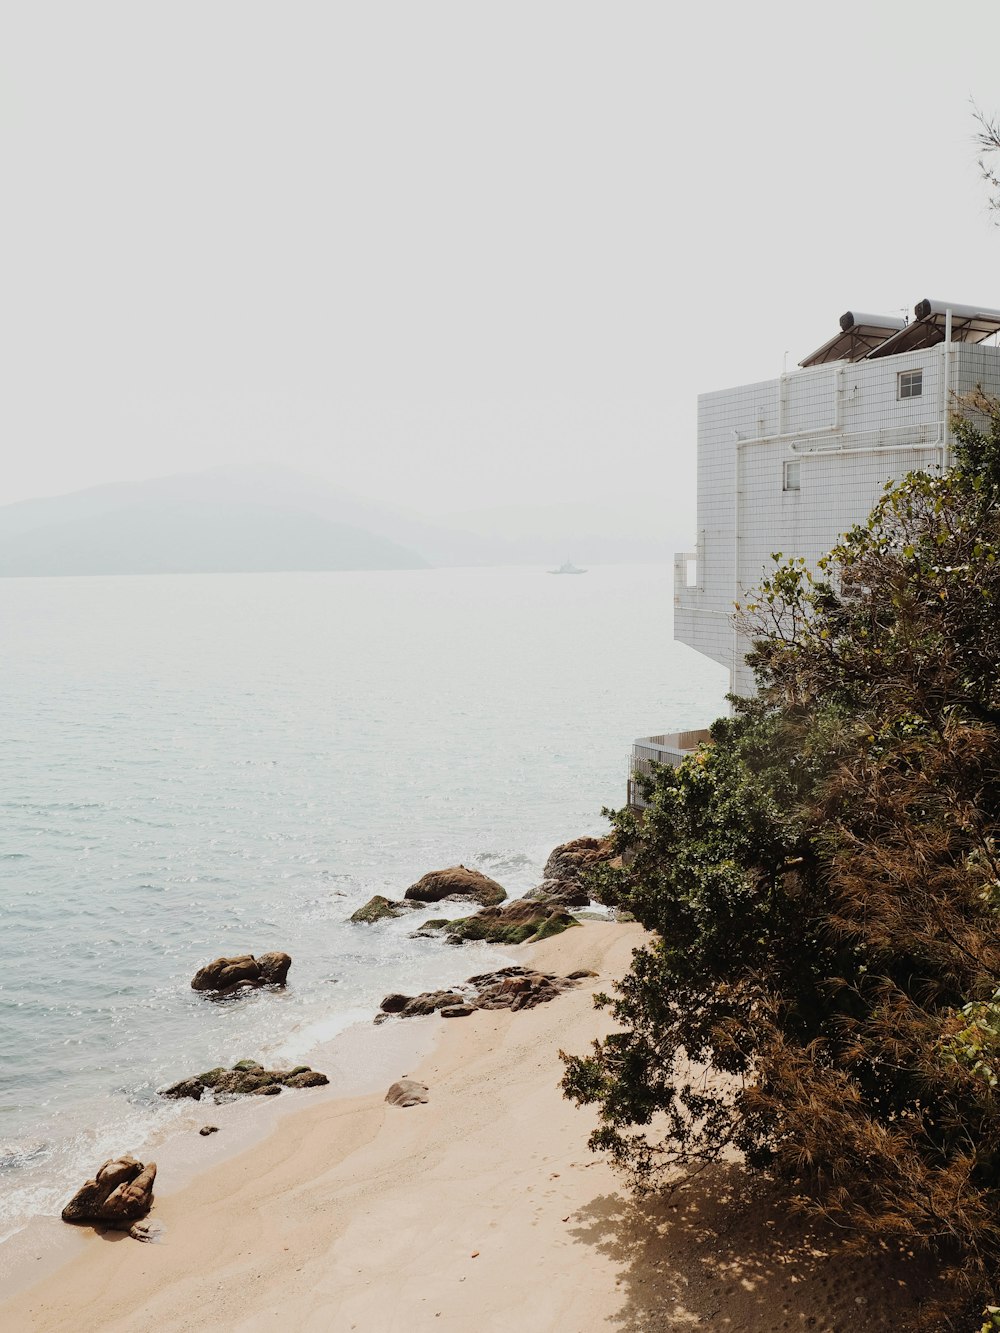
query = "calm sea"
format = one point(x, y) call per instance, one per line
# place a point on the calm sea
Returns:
point(199, 765)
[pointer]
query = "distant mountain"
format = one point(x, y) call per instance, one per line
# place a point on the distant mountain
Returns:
point(224, 520)
point(257, 518)
point(188, 537)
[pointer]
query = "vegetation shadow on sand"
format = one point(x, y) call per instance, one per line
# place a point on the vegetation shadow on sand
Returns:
point(722, 1251)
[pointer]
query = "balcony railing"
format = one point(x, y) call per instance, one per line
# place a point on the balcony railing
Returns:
point(651, 752)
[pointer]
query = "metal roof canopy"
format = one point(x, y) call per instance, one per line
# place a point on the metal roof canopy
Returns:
point(969, 324)
point(858, 338)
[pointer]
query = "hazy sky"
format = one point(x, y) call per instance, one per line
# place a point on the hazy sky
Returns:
point(458, 254)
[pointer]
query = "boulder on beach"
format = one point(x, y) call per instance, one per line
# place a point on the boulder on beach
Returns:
point(227, 974)
point(380, 909)
point(247, 1078)
point(518, 988)
point(571, 859)
point(417, 1006)
point(508, 988)
point(456, 882)
point(566, 870)
point(523, 921)
point(407, 1092)
point(120, 1194)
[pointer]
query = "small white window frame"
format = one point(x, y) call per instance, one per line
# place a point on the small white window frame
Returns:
point(910, 384)
point(791, 475)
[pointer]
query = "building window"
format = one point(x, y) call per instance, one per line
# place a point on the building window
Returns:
point(910, 384)
point(790, 476)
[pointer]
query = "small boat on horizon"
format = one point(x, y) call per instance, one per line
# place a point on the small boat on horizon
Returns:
point(567, 568)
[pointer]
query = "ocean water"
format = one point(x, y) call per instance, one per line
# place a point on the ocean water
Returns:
point(200, 765)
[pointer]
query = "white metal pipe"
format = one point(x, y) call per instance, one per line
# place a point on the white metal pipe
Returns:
point(736, 548)
point(945, 388)
point(868, 449)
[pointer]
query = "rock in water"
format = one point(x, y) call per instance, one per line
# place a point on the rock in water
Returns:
point(379, 909)
point(407, 1092)
point(120, 1193)
point(247, 1078)
point(226, 974)
point(273, 968)
point(456, 882)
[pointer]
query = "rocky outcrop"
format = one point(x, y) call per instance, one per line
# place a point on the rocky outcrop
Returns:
point(570, 860)
point(509, 988)
point(523, 921)
point(564, 876)
point(273, 968)
point(228, 974)
point(118, 1196)
point(247, 1078)
point(416, 1006)
point(380, 909)
point(457, 883)
point(407, 1092)
point(518, 988)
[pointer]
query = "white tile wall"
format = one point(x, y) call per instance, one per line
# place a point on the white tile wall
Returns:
point(851, 433)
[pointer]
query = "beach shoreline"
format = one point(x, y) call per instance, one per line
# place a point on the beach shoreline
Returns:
point(79, 1266)
point(357, 1059)
point(481, 1209)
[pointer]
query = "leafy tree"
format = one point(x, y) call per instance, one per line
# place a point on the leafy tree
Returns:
point(823, 887)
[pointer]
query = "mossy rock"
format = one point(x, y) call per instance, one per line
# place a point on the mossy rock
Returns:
point(246, 1078)
point(555, 925)
point(378, 908)
point(520, 922)
point(308, 1078)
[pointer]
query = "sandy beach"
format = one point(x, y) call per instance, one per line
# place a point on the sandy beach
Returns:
point(482, 1209)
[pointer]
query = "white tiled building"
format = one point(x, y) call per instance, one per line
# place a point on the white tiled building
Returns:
point(790, 464)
